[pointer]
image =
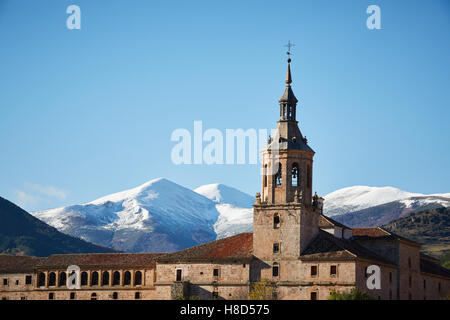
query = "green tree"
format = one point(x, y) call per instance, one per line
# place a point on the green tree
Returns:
point(261, 290)
point(353, 294)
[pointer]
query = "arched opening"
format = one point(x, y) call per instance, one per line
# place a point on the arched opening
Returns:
point(105, 278)
point(265, 176)
point(275, 269)
point(41, 279)
point(278, 178)
point(52, 279)
point(62, 279)
point(116, 278)
point(94, 278)
point(94, 296)
point(138, 278)
point(308, 176)
point(115, 296)
point(127, 278)
point(276, 221)
point(295, 175)
point(84, 278)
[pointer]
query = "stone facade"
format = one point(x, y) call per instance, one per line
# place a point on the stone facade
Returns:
point(301, 253)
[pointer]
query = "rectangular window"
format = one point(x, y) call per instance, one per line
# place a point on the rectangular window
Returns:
point(137, 295)
point(313, 295)
point(333, 271)
point(17, 282)
point(216, 272)
point(5, 282)
point(390, 277)
point(276, 248)
point(275, 271)
point(28, 280)
point(179, 274)
point(313, 271)
point(72, 296)
point(51, 296)
point(424, 284)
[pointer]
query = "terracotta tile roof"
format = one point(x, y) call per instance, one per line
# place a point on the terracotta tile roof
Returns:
point(433, 268)
point(236, 247)
point(328, 222)
point(327, 247)
point(18, 264)
point(99, 259)
point(378, 232)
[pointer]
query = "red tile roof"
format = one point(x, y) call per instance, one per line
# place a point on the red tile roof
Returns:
point(236, 247)
point(378, 232)
point(374, 232)
point(18, 264)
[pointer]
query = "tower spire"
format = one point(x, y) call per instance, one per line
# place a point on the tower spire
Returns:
point(288, 73)
point(288, 101)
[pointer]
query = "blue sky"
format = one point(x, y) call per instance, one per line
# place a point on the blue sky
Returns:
point(84, 113)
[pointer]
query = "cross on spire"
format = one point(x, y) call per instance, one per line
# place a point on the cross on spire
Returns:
point(289, 46)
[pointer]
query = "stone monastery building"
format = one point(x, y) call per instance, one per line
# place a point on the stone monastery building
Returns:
point(303, 254)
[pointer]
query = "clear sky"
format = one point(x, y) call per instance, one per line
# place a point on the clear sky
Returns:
point(85, 113)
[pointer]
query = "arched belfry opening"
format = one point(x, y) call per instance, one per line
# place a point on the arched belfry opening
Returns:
point(295, 181)
point(278, 176)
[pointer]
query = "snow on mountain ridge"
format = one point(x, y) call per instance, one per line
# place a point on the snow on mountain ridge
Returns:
point(357, 198)
point(220, 193)
point(145, 218)
point(234, 206)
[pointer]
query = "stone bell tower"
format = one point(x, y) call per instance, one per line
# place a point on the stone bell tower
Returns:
point(285, 218)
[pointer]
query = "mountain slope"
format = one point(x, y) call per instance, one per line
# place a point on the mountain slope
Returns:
point(357, 198)
point(385, 213)
point(430, 228)
point(234, 207)
point(157, 216)
point(21, 233)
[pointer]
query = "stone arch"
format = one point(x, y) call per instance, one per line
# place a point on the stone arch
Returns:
point(127, 278)
point(94, 278)
point(278, 175)
point(51, 279)
point(138, 278)
point(94, 296)
point(41, 279)
point(295, 175)
point(105, 278)
point(116, 278)
point(265, 173)
point(62, 279)
point(84, 278)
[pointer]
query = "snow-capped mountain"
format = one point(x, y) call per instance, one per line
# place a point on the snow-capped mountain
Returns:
point(357, 198)
point(157, 216)
point(234, 206)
